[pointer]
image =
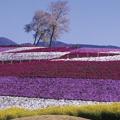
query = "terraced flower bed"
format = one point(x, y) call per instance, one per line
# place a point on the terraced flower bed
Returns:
point(32, 77)
point(65, 69)
point(85, 54)
point(2, 49)
point(61, 88)
point(60, 49)
point(96, 50)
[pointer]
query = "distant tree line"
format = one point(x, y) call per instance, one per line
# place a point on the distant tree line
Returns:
point(51, 24)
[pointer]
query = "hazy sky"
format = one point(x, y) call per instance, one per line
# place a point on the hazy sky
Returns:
point(92, 21)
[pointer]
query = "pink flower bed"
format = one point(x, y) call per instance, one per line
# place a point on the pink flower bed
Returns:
point(95, 50)
point(2, 49)
point(60, 49)
point(68, 69)
point(86, 54)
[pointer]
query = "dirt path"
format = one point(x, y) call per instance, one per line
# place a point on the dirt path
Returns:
point(51, 117)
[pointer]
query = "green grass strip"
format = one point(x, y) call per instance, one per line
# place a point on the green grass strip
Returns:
point(93, 112)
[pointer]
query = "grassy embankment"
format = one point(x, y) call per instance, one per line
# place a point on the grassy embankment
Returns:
point(93, 112)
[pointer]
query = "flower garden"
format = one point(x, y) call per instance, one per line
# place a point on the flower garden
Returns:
point(34, 78)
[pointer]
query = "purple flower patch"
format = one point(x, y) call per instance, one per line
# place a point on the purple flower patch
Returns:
point(61, 88)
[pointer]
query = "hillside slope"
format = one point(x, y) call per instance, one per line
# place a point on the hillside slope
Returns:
point(6, 42)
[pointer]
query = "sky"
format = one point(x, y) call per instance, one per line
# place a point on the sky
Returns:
point(91, 21)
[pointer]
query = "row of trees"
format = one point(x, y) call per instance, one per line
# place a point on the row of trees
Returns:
point(51, 24)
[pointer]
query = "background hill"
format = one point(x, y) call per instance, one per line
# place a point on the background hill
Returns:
point(54, 44)
point(6, 42)
point(93, 46)
point(62, 44)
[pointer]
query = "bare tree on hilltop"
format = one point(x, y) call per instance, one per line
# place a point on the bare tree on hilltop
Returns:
point(50, 25)
point(38, 25)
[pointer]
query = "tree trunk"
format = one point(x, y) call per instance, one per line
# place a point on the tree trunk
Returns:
point(35, 39)
point(50, 45)
point(39, 39)
point(51, 37)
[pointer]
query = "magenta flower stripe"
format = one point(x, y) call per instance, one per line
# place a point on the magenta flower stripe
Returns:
point(68, 69)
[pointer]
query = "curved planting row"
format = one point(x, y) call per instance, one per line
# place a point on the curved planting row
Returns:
point(60, 49)
point(20, 48)
point(31, 56)
point(61, 88)
point(85, 54)
point(68, 69)
point(2, 49)
point(92, 50)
